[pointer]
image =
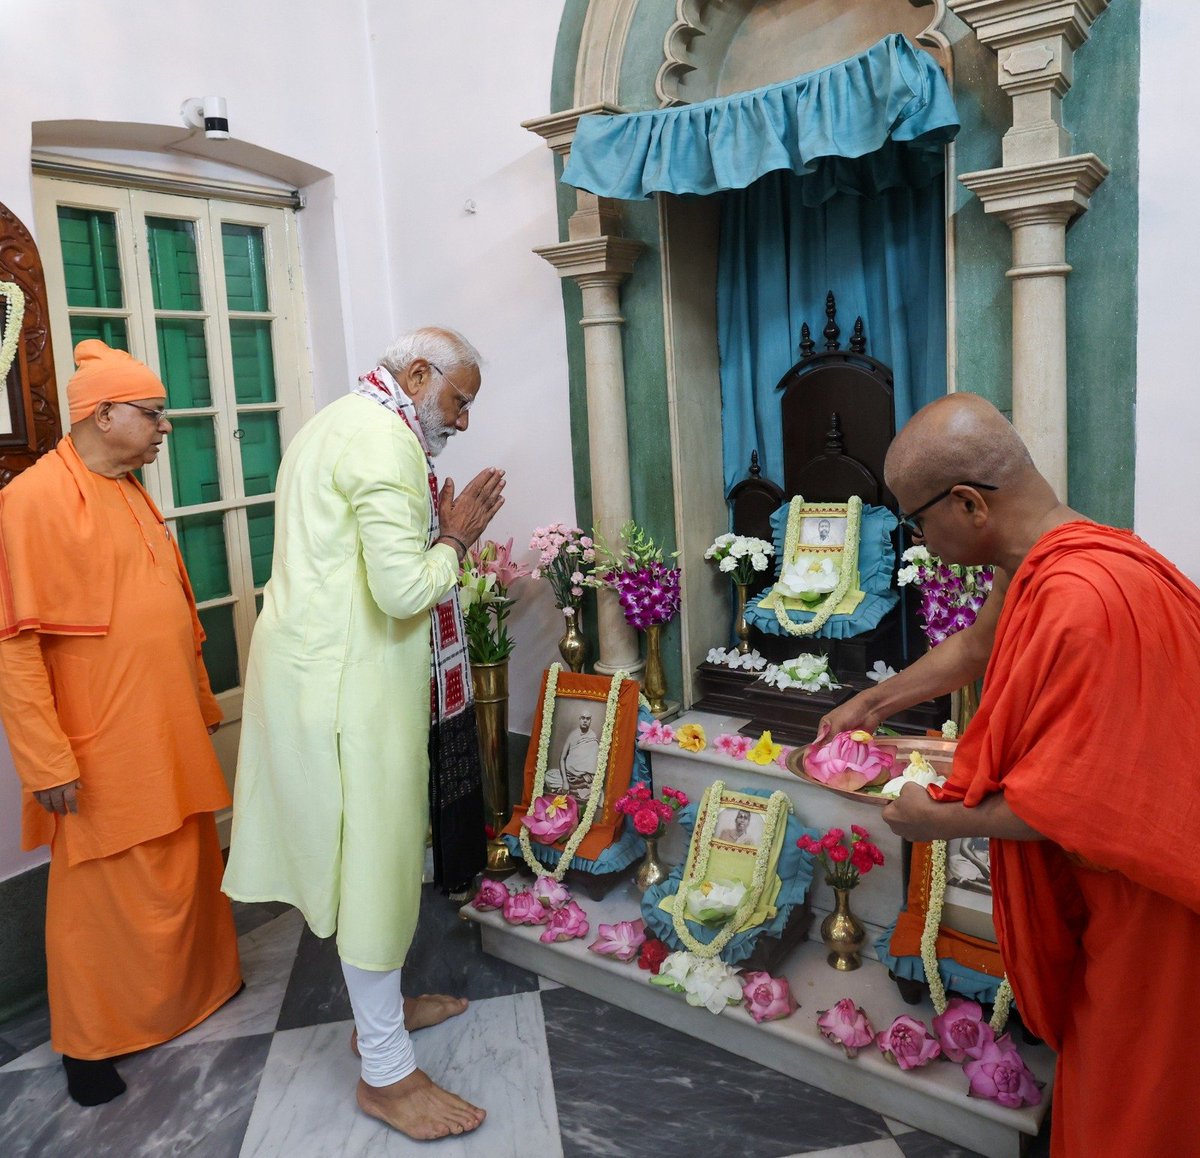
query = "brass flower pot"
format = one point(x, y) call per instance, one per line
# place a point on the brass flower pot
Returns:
point(573, 646)
point(491, 718)
point(740, 625)
point(654, 681)
point(651, 871)
point(843, 933)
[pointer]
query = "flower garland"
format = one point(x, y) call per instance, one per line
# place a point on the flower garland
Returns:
point(845, 577)
point(929, 935)
point(696, 868)
point(539, 775)
point(14, 315)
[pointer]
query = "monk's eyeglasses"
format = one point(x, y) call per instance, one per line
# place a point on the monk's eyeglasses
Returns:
point(156, 415)
point(913, 522)
point(464, 400)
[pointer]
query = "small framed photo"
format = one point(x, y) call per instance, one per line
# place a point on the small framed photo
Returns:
point(741, 826)
point(573, 754)
point(821, 530)
point(967, 934)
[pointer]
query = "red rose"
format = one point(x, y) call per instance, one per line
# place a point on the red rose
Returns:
point(653, 953)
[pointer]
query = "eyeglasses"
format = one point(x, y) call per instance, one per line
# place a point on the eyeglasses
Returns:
point(156, 415)
point(464, 400)
point(913, 522)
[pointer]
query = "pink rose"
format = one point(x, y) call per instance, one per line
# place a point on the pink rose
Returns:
point(622, 940)
point(492, 895)
point(553, 894)
point(908, 1043)
point(767, 998)
point(566, 924)
point(851, 760)
point(961, 1030)
point(999, 1075)
point(524, 908)
point(846, 1025)
point(550, 818)
point(646, 820)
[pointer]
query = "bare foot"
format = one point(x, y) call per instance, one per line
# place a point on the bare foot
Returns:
point(422, 1012)
point(418, 1108)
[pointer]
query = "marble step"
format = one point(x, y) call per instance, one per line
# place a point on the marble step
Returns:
point(933, 1099)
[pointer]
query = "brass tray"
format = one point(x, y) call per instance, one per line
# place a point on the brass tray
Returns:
point(939, 753)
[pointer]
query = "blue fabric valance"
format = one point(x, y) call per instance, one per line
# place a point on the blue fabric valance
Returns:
point(873, 122)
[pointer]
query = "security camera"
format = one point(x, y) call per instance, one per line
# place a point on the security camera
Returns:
point(208, 113)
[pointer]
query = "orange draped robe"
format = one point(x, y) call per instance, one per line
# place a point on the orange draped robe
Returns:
point(101, 680)
point(1087, 725)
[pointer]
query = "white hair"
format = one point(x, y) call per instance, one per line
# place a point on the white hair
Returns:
point(443, 348)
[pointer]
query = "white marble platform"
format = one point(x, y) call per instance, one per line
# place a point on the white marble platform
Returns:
point(933, 1099)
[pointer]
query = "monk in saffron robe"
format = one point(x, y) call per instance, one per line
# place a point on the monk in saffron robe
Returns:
point(1078, 766)
point(108, 712)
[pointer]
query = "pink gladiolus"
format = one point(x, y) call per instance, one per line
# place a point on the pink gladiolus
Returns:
point(1000, 1075)
point(550, 818)
point(846, 1025)
point(655, 732)
point(732, 745)
point(767, 998)
point(908, 1043)
point(551, 893)
point(622, 940)
point(492, 895)
point(850, 763)
point(566, 924)
point(524, 908)
point(961, 1030)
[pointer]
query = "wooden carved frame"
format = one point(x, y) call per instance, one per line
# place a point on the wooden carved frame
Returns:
point(30, 388)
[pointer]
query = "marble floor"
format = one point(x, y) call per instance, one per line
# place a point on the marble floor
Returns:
point(560, 1073)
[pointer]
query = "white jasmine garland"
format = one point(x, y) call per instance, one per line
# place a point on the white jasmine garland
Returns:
point(929, 935)
point(539, 775)
point(695, 871)
point(14, 315)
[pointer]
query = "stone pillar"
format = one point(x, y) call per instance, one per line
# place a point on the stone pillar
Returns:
point(598, 259)
point(1037, 192)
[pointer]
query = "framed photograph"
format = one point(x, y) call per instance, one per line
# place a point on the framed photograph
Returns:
point(823, 531)
point(572, 758)
point(967, 934)
point(740, 826)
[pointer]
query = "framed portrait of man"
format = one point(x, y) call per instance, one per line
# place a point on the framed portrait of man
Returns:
point(823, 530)
point(573, 753)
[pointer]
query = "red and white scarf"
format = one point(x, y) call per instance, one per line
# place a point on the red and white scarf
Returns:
point(451, 691)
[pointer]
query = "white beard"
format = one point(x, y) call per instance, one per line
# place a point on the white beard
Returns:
point(433, 425)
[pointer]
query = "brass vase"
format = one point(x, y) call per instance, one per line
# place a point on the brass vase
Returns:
point(491, 717)
point(843, 933)
point(654, 681)
point(740, 625)
point(651, 871)
point(963, 705)
point(572, 647)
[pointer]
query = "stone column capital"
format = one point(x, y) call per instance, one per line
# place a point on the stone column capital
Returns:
point(1007, 23)
point(558, 129)
point(1052, 191)
point(593, 261)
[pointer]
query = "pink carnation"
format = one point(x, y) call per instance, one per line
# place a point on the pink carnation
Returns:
point(767, 998)
point(566, 924)
point(849, 763)
point(646, 820)
point(846, 1025)
point(908, 1043)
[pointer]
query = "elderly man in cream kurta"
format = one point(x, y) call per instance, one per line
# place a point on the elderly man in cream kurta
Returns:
point(331, 797)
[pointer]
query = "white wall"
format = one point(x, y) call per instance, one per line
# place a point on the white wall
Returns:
point(453, 82)
point(1168, 393)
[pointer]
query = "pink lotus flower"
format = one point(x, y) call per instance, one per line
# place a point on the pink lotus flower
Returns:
point(492, 895)
point(732, 745)
point(655, 732)
point(846, 1025)
point(550, 818)
point(566, 924)
point(767, 998)
point(622, 940)
point(1000, 1075)
point(524, 908)
point(553, 894)
point(851, 760)
point(908, 1043)
point(961, 1030)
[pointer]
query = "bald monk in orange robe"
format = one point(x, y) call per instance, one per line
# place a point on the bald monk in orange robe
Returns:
point(1080, 766)
point(108, 713)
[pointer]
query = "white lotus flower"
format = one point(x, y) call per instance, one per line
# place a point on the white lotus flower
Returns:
point(808, 578)
point(917, 771)
point(715, 900)
point(713, 985)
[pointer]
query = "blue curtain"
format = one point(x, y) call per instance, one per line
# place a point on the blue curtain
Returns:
point(884, 259)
